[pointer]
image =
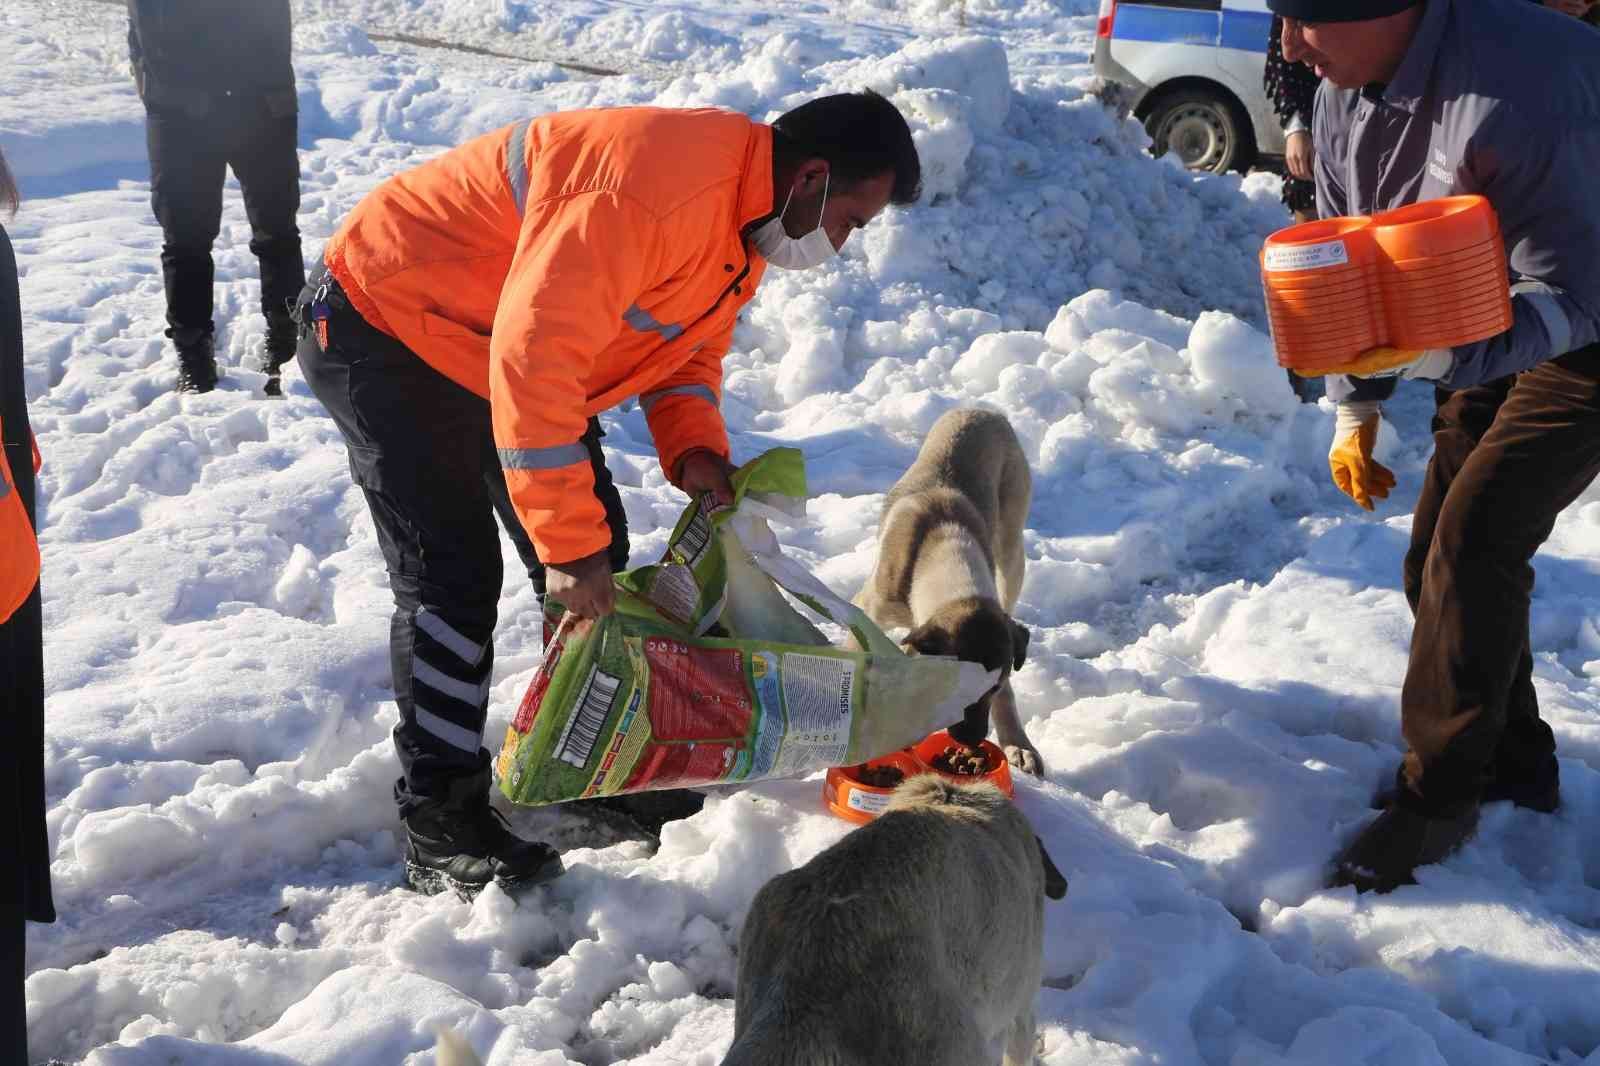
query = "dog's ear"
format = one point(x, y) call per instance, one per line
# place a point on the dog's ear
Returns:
point(928, 639)
point(1019, 644)
point(1055, 885)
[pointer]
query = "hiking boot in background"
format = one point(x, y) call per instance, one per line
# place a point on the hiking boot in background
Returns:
point(283, 334)
point(197, 361)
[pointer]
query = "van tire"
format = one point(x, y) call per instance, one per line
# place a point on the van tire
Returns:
point(1204, 125)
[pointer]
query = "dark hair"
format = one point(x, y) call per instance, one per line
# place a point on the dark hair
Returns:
point(861, 135)
point(10, 198)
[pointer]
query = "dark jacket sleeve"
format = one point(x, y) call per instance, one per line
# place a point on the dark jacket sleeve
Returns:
point(1532, 168)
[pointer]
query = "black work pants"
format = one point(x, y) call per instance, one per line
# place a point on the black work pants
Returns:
point(190, 151)
point(422, 449)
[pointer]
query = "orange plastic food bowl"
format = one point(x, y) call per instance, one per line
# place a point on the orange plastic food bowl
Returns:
point(1432, 312)
point(1392, 279)
point(1475, 287)
point(1342, 301)
point(1315, 250)
point(1479, 255)
point(1365, 282)
point(1352, 330)
point(998, 772)
point(1351, 319)
point(1311, 349)
point(1453, 321)
point(1422, 321)
point(1431, 271)
point(1452, 335)
point(1435, 227)
point(856, 801)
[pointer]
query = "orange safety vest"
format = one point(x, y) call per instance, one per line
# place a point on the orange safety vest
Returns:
point(19, 548)
point(561, 266)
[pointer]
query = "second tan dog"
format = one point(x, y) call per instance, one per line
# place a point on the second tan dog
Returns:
point(951, 561)
point(918, 938)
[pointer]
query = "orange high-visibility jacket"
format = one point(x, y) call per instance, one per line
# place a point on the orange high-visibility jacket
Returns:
point(19, 548)
point(562, 266)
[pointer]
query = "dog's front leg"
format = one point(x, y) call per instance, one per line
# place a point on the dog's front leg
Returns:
point(1019, 750)
point(1022, 1043)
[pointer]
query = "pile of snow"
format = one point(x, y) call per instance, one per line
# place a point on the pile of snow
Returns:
point(1218, 636)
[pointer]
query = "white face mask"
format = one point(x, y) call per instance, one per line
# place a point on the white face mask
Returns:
point(794, 253)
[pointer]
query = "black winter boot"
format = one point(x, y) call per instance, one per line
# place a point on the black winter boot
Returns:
point(651, 810)
point(197, 361)
point(1386, 854)
point(459, 842)
point(283, 335)
point(1541, 792)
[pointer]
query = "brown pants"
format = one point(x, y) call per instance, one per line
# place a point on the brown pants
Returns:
point(1508, 458)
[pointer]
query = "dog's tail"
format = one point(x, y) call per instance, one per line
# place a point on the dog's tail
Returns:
point(453, 1049)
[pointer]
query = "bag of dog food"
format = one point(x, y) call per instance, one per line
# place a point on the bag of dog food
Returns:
point(706, 673)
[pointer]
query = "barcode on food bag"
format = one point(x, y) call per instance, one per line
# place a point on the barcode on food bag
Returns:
point(695, 538)
point(583, 729)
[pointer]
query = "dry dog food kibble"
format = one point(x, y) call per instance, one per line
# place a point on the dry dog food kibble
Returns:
point(880, 776)
point(970, 762)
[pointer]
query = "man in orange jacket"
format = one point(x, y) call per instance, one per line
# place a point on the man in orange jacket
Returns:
point(472, 318)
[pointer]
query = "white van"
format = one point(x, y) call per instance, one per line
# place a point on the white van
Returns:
point(1190, 70)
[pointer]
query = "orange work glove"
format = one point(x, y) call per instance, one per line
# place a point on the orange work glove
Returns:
point(1393, 362)
point(1358, 475)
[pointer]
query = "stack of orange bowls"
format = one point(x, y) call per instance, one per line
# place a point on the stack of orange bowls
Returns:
point(1432, 275)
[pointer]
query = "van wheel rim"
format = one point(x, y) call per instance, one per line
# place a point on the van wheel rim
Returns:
point(1198, 136)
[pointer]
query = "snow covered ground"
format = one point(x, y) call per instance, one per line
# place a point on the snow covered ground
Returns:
point(1219, 636)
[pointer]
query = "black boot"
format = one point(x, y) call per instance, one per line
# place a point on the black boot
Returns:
point(651, 810)
point(197, 360)
point(1386, 854)
point(457, 841)
point(1541, 792)
point(283, 335)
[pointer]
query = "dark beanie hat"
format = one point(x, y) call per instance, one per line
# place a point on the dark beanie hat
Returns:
point(1338, 10)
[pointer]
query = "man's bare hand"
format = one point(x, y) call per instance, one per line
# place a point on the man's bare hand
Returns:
point(1298, 155)
point(583, 586)
point(703, 470)
point(1575, 8)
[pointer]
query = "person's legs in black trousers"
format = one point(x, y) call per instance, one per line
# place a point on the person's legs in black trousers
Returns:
point(266, 161)
point(421, 449)
point(188, 164)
